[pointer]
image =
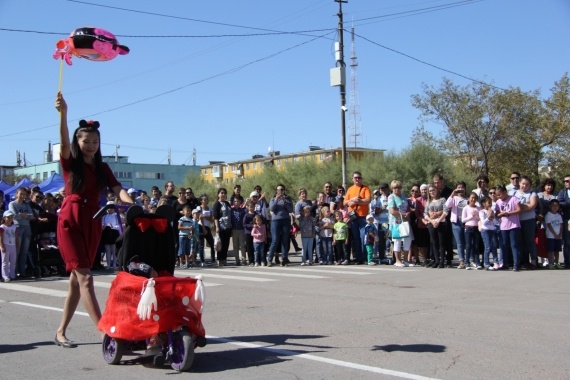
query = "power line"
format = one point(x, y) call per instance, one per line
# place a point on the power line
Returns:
point(415, 12)
point(430, 64)
point(300, 32)
point(227, 72)
point(171, 16)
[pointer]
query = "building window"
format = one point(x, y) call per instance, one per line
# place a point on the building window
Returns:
point(255, 165)
point(279, 162)
point(148, 175)
point(295, 159)
point(123, 175)
point(225, 168)
point(247, 165)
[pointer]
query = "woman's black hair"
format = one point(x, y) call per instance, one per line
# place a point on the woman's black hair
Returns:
point(502, 188)
point(482, 177)
point(548, 181)
point(77, 176)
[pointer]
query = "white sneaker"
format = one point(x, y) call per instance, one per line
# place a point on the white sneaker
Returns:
point(256, 265)
point(302, 264)
point(399, 265)
point(371, 263)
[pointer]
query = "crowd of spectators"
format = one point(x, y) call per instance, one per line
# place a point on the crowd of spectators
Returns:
point(516, 226)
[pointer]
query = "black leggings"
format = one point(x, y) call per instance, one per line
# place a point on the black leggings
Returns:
point(210, 239)
point(437, 240)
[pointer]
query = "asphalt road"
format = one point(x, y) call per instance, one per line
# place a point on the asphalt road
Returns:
point(322, 322)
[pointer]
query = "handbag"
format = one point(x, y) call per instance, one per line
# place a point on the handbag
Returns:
point(400, 230)
point(217, 243)
point(404, 229)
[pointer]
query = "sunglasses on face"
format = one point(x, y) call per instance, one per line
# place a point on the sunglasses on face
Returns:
point(513, 178)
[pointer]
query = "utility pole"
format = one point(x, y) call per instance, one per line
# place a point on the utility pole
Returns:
point(338, 79)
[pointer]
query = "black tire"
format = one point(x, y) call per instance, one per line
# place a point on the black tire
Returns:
point(183, 351)
point(112, 349)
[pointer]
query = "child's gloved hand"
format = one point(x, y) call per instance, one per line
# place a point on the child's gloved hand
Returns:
point(148, 301)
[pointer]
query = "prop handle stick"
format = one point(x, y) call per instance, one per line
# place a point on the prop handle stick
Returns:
point(60, 74)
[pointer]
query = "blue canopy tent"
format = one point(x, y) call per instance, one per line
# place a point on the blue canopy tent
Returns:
point(4, 185)
point(11, 191)
point(52, 184)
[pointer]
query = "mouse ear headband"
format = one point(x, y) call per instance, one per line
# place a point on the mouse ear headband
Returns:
point(89, 124)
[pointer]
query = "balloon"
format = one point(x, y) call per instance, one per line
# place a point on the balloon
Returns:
point(94, 44)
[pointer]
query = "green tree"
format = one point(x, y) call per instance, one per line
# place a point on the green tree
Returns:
point(471, 116)
point(558, 125)
point(493, 131)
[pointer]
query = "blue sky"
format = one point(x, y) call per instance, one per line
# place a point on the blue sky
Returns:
point(235, 96)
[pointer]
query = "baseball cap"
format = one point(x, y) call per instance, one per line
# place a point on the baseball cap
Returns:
point(384, 186)
point(254, 194)
point(8, 213)
point(376, 192)
point(196, 210)
point(132, 190)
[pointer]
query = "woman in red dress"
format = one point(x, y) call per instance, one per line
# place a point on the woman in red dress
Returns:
point(86, 176)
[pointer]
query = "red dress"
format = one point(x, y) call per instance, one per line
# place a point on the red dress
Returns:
point(77, 233)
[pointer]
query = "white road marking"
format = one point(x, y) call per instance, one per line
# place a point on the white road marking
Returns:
point(242, 278)
point(321, 269)
point(276, 351)
point(107, 285)
point(273, 273)
point(45, 307)
point(340, 363)
point(33, 289)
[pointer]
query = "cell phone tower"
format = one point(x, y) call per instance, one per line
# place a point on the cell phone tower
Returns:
point(354, 120)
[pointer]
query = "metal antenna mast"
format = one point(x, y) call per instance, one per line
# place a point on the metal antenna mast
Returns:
point(354, 120)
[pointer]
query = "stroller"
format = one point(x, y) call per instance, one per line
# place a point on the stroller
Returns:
point(48, 260)
point(168, 314)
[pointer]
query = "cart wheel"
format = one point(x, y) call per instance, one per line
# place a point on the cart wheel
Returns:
point(112, 349)
point(183, 351)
